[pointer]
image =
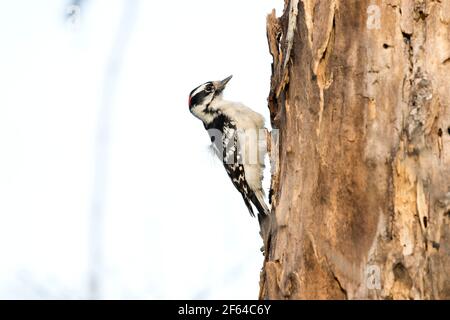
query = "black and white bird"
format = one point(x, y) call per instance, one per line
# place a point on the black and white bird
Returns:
point(238, 138)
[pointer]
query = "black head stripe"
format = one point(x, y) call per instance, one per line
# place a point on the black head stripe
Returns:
point(195, 89)
point(196, 98)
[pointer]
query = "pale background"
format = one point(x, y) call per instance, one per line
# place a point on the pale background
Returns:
point(168, 223)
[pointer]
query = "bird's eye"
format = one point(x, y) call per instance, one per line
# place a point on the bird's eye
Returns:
point(208, 88)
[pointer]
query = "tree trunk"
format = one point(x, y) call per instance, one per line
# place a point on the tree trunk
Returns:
point(360, 94)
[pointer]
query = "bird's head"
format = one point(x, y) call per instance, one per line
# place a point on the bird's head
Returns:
point(204, 94)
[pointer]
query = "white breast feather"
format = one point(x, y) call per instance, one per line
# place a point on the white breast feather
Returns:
point(250, 122)
point(245, 117)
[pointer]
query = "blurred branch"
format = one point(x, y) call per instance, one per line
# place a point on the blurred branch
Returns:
point(102, 144)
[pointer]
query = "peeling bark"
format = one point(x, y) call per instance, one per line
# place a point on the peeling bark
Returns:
point(360, 93)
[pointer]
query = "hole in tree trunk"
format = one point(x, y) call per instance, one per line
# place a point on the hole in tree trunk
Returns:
point(401, 274)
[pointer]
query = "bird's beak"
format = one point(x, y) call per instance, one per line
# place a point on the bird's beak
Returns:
point(220, 85)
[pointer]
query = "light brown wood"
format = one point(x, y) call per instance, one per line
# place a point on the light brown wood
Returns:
point(360, 94)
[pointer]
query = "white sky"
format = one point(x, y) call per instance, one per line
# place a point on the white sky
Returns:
point(174, 225)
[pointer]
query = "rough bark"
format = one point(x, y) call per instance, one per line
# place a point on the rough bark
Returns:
point(360, 93)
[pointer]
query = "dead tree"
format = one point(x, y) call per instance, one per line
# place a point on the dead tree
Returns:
point(360, 93)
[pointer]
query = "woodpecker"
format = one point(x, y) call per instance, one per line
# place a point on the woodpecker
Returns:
point(237, 136)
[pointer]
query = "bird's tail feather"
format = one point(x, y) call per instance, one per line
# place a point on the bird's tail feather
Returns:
point(249, 206)
point(260, 204)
